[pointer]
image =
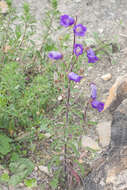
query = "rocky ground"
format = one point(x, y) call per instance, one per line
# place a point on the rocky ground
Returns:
point(107, 18)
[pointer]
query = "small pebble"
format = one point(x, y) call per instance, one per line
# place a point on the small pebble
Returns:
point(48, 135)
point(36, 168)
point(60, 98)
point(100, 30)
point(44, 169)
point(106, 77)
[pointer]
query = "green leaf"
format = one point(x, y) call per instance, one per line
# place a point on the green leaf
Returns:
point(54, 3)
point(4, 144)
point(20, 170)
point(66, 37)
point(54, 183)
point(14, 156)
point(30, 182)
point(4, 177)
point(18, 31)
point(73, 145)
point(92, 123)
point(26, 7)
point(9, 2)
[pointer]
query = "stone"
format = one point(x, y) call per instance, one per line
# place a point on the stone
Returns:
point(89, 142)
point(36, 168)
point(44, 169)
point(47, 135)
point(106, 77)
point(104, 133)
point(60, 98)
point(21, 184)
point(100, 30)
point(117, 93)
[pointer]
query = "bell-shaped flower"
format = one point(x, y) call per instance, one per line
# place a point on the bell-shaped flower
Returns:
point(93, 91)
point(79, 30)
point(73, 76)
point(78, 49)
point(97, 105)
point(55, 55)
point(66, 20)
point(92, 58)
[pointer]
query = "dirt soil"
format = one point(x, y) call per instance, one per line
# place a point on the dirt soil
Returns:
point(108, 18)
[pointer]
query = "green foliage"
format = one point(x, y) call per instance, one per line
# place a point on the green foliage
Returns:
point(27, 90)
point(30, 182)
point(9, 2)
point(54, 3)
point(4, 177)
point(14, 157)
point(12, 84)
point(20, 170)
point(4, 144)
point(54, 183)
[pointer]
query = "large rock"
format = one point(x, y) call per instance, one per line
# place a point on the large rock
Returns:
point(110, 170)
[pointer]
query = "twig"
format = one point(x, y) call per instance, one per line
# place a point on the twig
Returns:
point(123, 35)
point(85, 111)
point(65, 138)
point(23, 36)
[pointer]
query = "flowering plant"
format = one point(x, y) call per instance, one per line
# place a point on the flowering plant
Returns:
point(78, 31)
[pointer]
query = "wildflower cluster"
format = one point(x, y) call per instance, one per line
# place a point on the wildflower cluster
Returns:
point(78, 49)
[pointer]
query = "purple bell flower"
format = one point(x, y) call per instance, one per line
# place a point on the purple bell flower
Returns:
point(92, 58)
point(97, 105)
point(93, 91)
point(78, 49)
point(66, 20)
point(94, 102)
point(74, 77)
point(79, 30)
point(55, 55)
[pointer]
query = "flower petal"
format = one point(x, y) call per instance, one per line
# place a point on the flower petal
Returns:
point(92, 58)
point(78, 49)
point(97, 105)
point(100, 106)
point(74, 77)
point(93, 91)
point(79, 30)
point(55, 55)
point(66, 20)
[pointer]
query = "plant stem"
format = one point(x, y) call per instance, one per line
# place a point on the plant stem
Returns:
point(65, 136)
point(74, 36)
point(67, 116)
point(72, 65)
point(23, 36)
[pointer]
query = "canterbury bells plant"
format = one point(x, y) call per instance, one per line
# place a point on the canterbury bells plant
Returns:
point(79, 30)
